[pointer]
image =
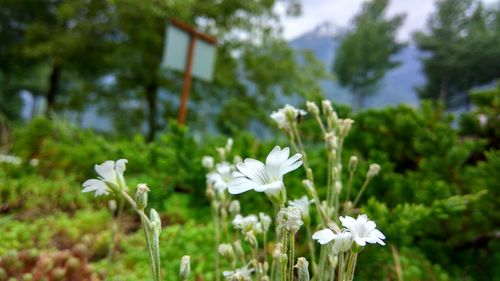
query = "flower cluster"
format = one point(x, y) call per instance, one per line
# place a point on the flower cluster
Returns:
point(360, 230)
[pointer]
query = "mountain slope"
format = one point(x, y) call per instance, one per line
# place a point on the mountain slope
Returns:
point(397, 86)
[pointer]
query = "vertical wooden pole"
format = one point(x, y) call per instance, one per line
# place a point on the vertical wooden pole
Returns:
point(187, 81)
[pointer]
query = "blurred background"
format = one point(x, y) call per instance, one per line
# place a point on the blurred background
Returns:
point(84, 81)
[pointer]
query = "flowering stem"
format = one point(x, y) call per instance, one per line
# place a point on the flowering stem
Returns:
point(301, 149)
point(349, 185)
point(215, 216)
point(322, 263)
point(312, 251)
point(291, 256)
point(365, 184)
point(146, 224)
point(329, 185)
point(340, 269)
point(351, 266)
point(321, 124)
point(284, 262)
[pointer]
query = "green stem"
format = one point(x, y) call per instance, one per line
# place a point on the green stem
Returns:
point(349, 185)
point(291, 256)
point(312, 250)
point(285, 249)
point(215, 216)
point(340, 269)
point(365, 184)
point(351, 266)
point(146, 225)
point(321, 124)
point(322, 263)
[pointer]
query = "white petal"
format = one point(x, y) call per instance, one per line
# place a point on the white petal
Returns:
point(362, 219)
point(348, 221)
point(285, 152)
point(254, 170)
point(287, 169)
point(120, 166)
point(271, 188)
point(106, 170)
point(324, 236)
point(377, 233)
point(360, 241)
point(273, 156)
point(240, 185)
point(95, 185)
point(370, 225)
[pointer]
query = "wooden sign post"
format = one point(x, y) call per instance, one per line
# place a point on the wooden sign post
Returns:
point(194, 56)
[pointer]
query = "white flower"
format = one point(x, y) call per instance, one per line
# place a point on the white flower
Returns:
point(267, 178)
point(248, 223)
point(110, 172)
point(265, 220)
point(220, 177)
point(207, 162)
point(285, 115)
point(343, 240)
point(363, 230)
point(303, 205)
point(240, 274)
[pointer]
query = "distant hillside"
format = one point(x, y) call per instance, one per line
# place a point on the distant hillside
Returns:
point(397, 86)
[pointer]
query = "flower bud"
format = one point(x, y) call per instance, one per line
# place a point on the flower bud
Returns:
point(155, 221)
point(226, 250)
point(185, 268)
point(303, 269)
point(331, 141)
point(229, 145)
point(112, 205)
point(373, 171)
point(338, 187)
point(238, 250)
point(277, 251)
point(312, 108)
point(353, 162)
point(327, 108)
point(309, 185)
point(265, 220)
point(346, 126)
point(222, 152)
point(234, 207)
point(207, 162)
point(141, 196)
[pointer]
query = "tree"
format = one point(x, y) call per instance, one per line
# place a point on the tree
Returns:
point(463, 49)
point(364, 56)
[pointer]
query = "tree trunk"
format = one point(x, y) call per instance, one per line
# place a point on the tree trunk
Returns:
point(54, 80)
point(152, 110)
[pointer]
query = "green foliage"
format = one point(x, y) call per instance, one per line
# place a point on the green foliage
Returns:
point(435, 193)
point(463, 35)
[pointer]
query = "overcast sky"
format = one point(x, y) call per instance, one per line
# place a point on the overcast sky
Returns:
point(340, 12)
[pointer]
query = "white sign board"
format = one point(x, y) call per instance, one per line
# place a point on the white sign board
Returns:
point(175, 54)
